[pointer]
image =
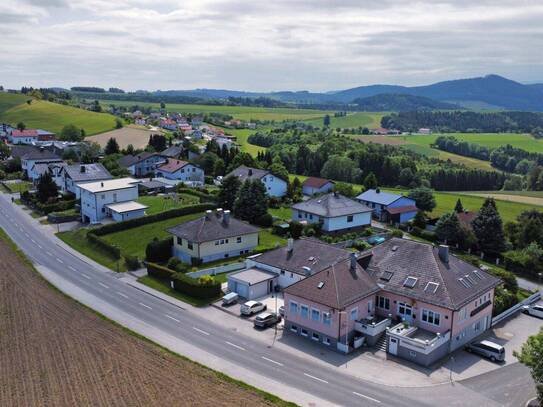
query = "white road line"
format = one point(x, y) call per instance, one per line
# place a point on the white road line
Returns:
point(71, 268)
point(271, 361)
point(169, 316)
point(40, 247)
point(144, 305)
point(315, 378)
point(103, 285)
point(87, 277)
point(199, 330)
point(366, 397)
point(33, 241)
point(49, 253)
point(122, 295)
point(60, 261)
point(235, 346)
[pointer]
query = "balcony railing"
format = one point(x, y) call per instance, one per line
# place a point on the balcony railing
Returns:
point(370, 327)
point(417, 339)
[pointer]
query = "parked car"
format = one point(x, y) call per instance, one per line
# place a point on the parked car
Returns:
point(230, 298)
point(488, 349)
point(252, 307)
point(282, 311)
point(267, 319)
point(534, 310)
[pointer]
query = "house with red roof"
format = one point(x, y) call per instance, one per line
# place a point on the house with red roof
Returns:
point(312, 186)
point(29, 136)
point(180, 170)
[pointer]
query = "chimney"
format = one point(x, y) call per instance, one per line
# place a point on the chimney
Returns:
point(290, 244)
point(226, 217)
point(377, 190)
point(102, 184)
point(250, 172)
point(218, 212)
point(208, 214)
point(353, 262)
point(82, 169)
point(444, 253)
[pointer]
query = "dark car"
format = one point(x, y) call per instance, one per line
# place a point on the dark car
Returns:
point(266, 319)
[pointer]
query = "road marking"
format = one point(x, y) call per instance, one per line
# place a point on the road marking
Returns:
point(144, 305)
point(32, 240)
point(87, 277)
point(103, 285)
point(315, 378)
point(122, 295)
point(169, 316)
point(49, 253)
point(71, 268)
point(27, 235)
point(40, 247)
point(60, 261)
point(199, 330)
point(366, 397)
point(235, 346)
point(271, 361)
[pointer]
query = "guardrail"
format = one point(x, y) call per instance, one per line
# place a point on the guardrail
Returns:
point(515, 308)
point(217, 270)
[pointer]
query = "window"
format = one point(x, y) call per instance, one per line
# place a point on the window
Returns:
point(370, 307)
point(412, 354)
point(463, 314)
point(304, 332)
point(182, 170)
point(216, 242)
point(326, 320)
point(315, 315)
point(299, 215)
point(315, 336)
point(304, 311)
point(310, 216)
point(114, 197)
point(326, 341)
point(293, 307)
point(222, 241)
point(226, 241)
point(383, 302)
point(349, 218)
point(354, 314)
point(477, 326)
point(103, 196)
point(180, 241)
point(294, 328)
point(410, 282)
point(189, 245)
point(431, 317)
point(238, 239)
point(282, 272)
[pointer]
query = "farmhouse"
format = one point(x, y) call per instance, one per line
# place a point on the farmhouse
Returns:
point(212, 237)
point(142, 164)
point(72, 176)
point(335, 212)
point(275, 186)
point(103, 199)
point(312, 186)
point(389, 207)
point(182, 171)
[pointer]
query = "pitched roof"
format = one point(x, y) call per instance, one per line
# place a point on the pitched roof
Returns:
point(173, 165)
point(24, 133)
point(377, 196)
point(244, 173)
point(401, 209)
point(37, 154)
point(393, 261)
point(212, 227)
point(87, 172)
point(172, 152)
point(314, 182)
point(40, 168)
point(466, 218)
point(332, 205)
point(129, 160)
point(336, 286)
point(306, 252)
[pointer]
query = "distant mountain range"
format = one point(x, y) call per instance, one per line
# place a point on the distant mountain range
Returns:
point(488, 92)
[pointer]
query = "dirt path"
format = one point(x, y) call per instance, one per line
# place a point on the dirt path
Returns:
point(54, 352)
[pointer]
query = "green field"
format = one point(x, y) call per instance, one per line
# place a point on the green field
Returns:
point(51, 116)
point(158, 204)
point(241, 138)
point(352, 120)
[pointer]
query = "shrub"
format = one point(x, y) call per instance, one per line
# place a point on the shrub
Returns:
point(206, 279)
point(159, 250)
point(296, 229)
point(158, 271)
point(274, 202)
point(368, 232)
point(177, 265)
point(132, 262)
point(397, 233)
point(203, 194)
point(361, 245)
point(208, 179)
point(59, 206)
point(112, 250)
point(265, 220)
point(196, 288)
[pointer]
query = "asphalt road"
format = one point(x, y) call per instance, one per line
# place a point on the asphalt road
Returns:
point(509, 386)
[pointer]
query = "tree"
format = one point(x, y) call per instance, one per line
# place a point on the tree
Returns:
point(112, 147)
point(294, 190)
point(341, 168)
point(458, 208)
point(345, 189)
point(219, 167)
point(531, 355)
point(370, 182)
point(448, 228)
point(326, 120)
point(46, 188)
point(162, 105)
point(278, 169)
point(419, 220)
point(70, 133)
point(228, 192)
point(488, 228)
point(4, 151)
point(21, 126)
point(130, 149)
point(406, 176)
point(118, 123)
point(251, 202)
point(424, 198)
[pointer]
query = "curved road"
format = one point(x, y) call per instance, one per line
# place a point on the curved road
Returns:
point(510, 385)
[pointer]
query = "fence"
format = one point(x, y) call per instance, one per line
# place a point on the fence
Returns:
point(217, 270)
point(515, 308)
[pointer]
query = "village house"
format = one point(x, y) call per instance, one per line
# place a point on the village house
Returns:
point(70, 177)
point(181, 171)
point(37, 156)
point(389, 207)
point(29, 136)
point(168, 124)
point(114, 198)
point(313, 186)
point(173, 152)
point(217, 235)
point(142, 164)
point(335, 212)
point(275, 186)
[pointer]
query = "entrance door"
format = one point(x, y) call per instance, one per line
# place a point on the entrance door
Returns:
point(405, 311)
point(393, 346)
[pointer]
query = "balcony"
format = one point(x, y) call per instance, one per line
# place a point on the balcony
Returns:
point(372, 326)
point(418, 339)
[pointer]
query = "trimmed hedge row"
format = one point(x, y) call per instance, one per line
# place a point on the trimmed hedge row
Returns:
point(133, 223)
point(158, 271)
point(59, 206)
point(203, 197)
point(114, 251)
point(159, 250)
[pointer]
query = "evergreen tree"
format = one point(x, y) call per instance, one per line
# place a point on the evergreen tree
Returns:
point(46, 188)
point(294, 190)
point(218, 168)
point(488, 229)
point(112, 147)
point(448, 228)
point(251, 202)
point(424, 198)
point(278, 169)
point(458, 208)
point(419, 220)
point(326, 120)
point(228, 192)
point(370, 182)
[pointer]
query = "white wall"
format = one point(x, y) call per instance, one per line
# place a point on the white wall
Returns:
point(187, 173)
point(274, 186)
point(340, 222)
point(93, 204)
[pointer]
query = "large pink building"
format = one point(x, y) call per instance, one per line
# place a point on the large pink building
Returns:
point(423, 301)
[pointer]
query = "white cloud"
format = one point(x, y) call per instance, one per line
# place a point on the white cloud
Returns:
point(277, 45)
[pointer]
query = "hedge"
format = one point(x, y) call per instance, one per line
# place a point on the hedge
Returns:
point(114, 251)
point(158, 271)
point(159, 250)
point(203, 196)
point(133, 223)
point(59, 206)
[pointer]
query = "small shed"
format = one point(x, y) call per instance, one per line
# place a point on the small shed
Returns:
point(126, 210)
point(312, 186)
point(252, 283)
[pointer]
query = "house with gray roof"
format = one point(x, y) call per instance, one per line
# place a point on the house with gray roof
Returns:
point(142, 164)
point(215, 236)
point(31, 157)
point(72, 176)
point(336, 213)
point(275, 186)
point(389, 207)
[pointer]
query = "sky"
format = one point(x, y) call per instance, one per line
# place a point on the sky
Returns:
point(270, 45)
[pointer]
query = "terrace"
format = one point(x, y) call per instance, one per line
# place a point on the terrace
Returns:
point(372, 327)
point(418, 339)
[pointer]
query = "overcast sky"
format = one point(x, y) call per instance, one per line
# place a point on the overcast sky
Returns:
point(266, 45)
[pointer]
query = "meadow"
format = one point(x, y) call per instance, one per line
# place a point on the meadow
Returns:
point(51, 116)
point(370, 120)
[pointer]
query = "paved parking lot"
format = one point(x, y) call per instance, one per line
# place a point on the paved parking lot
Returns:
point(273, 302)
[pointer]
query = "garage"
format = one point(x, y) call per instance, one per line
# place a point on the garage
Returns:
point(252, 283)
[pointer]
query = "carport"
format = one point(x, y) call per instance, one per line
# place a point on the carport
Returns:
point(252, 283)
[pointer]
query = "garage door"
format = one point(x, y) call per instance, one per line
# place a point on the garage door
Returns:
point(242, 290)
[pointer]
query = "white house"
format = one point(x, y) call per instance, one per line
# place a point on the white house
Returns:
point(29, 159)
point(335, 212)
point(100, 200)
point(71, 176)
point(181, 170)
point(313, 186)
point(275, 186)
point(142, 164)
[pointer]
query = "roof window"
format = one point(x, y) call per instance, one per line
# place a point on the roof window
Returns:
point(386, 276)
point(320, 285)
point(464, 282)
point(431, 287)
point(410, 282)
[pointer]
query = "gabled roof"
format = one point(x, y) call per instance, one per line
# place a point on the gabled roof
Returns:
point(37, 154)
point(393, 261)
point(87, 172)
point(306, 252)
point(244, 173)
point(212, 227)
point(24, 133)
point(379, 197)
point(313, 182)
point(336, 286)
point(401, 209)
point(332, 205)
point(172, 152)
point(129, 160)
point(173, 165)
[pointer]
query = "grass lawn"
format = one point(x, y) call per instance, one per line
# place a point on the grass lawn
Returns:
point(19, 186)
point(158, 204)
point(164, 287)
point(268, 241)
point(284, 213)
point(241, 138)
point(352, 120)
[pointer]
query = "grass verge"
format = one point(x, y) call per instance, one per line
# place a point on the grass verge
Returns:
point(164, 287)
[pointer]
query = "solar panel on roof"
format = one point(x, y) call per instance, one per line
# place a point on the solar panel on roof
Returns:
point(386, 276)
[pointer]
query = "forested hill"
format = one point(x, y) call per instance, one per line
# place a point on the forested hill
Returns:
point(400, 103)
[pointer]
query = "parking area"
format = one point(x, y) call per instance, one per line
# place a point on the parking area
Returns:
point(273, 302)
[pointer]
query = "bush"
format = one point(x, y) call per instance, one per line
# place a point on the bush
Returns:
point(208, 179)
point(195, 288)
point(59, 206)
point(158, 271)
point(206, 279)
point(132, 262)
point(397, 233)
point(265, 220)
point(175, 264)
point(274, 202)
point(159, 250)
point(361, 245)
point(296, 229)
point(112, 250)
point(368, 232)
point(203, 195)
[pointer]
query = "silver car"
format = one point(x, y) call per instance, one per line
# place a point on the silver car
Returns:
point(490, 350)
point(534, 310)
point(252, 307)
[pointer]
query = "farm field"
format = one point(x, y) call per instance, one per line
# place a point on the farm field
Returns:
point(51, 116)
point(528, 197)
point(135, 135)
point(56, 352)
point(352, 120)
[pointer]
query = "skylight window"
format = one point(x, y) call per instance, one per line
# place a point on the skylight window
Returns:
point(387, 275)
point(320, 285)
point(464, 282)
point(410, 282)
point(311, 259)
point(470, 279)
point(394, 248)
point(477, 274)
point(431, 287)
